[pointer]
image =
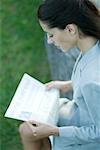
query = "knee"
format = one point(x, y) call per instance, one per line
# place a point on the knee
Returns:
point(25, 131)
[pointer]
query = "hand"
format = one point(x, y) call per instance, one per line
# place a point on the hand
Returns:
point(41, 130)
point(63, 86)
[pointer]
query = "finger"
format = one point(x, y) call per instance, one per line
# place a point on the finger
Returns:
point(49, 85)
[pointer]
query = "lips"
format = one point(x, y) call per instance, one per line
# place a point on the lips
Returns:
point(57, 46)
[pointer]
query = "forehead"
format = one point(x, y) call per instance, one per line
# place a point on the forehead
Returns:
point(47, 29)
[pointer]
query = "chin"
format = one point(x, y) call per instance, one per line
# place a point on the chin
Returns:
point(65, 49)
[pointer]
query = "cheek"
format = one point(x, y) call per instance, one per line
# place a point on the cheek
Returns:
point(59, 37)
point(63, 38)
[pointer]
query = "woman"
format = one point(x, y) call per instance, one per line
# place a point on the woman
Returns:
point(71, 23)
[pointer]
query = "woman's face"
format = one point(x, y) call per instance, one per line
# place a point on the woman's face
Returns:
point(64, 39)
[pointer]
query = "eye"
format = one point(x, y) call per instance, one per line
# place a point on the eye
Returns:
point(50, 35)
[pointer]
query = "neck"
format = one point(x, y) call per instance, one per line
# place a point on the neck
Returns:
point(86, 43)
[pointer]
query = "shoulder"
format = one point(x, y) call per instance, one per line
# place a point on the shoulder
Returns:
point(92, 70)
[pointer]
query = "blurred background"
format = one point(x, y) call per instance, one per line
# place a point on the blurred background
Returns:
point(22, 50)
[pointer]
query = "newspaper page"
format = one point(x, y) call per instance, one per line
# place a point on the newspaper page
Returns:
point(32, 101)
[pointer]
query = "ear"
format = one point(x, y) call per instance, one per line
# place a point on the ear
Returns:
point(71, 28)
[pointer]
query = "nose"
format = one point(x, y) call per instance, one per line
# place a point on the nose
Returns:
point(49, 39)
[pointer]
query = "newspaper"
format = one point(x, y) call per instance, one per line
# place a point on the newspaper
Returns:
point(32, 101)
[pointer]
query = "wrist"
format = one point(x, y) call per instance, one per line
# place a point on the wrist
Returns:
point(55, 131)
point(66, 86)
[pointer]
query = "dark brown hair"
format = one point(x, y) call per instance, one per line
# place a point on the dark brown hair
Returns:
point(83, 13)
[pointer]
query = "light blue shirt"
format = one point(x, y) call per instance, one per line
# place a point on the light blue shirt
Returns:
point(82, 130)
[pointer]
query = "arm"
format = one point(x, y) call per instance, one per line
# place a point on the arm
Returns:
point(75, 134)
point(89, 133)
point(63, 86)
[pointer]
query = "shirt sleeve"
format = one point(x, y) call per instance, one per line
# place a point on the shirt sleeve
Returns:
point(89, 133)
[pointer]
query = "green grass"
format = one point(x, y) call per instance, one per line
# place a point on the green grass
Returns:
point(22, 50)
